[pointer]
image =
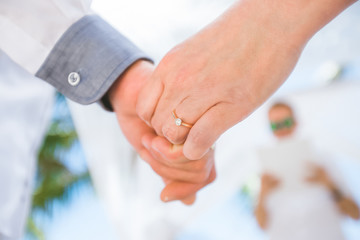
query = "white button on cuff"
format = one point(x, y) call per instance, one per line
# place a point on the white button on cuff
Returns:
point(74, 79)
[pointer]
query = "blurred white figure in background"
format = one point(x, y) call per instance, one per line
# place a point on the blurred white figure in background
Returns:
point(25, 110)
point(301, 196)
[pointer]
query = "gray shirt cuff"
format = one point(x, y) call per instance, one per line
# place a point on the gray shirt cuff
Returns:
point(87, 60)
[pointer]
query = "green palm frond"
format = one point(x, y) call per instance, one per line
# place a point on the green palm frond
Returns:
point(58, 188)
point(55, 182)
point(33, 231)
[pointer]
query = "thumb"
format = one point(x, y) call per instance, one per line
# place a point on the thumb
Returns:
point(208, 129)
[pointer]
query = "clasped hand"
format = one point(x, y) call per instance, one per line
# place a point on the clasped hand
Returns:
point(182, 177)
point(212, 81)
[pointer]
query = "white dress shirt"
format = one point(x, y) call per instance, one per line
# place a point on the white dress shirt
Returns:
point(68, 46)
point(30, 28)
point(65, 44)
point(296, 208)
point(25, 110)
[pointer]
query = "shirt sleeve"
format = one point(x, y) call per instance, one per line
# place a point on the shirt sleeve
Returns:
point(64, 43)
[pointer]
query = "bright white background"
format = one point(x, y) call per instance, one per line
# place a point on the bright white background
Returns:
point(156, 26)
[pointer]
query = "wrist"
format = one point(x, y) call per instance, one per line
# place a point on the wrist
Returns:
point(306, 17)
point(129, 83)
point(277, 30)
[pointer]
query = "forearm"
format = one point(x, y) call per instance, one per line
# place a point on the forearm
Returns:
point(348, 207)
point(303, 18)
point(283, 28)
point(260, 211)
point(297, 20)
point(345, 204)
point(261, 214)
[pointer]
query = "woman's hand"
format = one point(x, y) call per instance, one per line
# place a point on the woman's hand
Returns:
point(223, 73)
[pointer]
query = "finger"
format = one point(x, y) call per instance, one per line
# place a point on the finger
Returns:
point(146, 156)
point(147, 140)
point(181, 190)
point(170, 152)
point(189, 200)
point(175, 174)
point(134, 129)
point(173, 156)
point(168, 173)
point(208, 129)
point(148, 99)
point(186, 108)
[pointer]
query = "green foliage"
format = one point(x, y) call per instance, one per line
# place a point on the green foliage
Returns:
point(33, 231)
point(55, 182)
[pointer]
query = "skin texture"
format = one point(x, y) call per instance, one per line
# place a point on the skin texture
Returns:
point(182, 177)
point(214, 80)
point(223, 73)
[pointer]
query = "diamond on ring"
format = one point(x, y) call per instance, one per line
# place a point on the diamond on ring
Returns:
point(178, 122)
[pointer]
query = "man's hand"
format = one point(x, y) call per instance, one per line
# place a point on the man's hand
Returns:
point(123, 96)
point(183, 178)
point(223, 73)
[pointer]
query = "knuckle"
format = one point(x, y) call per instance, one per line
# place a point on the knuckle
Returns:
point(156, 125)
point(173, 135)
point(143, 112)
point(172, 55)
point(169, 60)
point(198, 137)
point(198, 141)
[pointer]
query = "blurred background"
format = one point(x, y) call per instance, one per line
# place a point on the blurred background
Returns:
point(122, 199)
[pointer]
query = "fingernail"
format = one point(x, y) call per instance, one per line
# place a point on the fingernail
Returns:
point(166, 199)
